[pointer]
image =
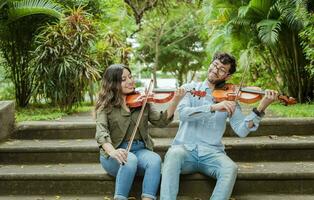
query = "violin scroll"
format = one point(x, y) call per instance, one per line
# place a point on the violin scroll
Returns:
point(287, 100)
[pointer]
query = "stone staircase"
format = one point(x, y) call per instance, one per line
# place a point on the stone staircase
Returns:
point(59, 160)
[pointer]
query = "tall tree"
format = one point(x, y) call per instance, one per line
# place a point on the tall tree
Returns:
point(173, 42)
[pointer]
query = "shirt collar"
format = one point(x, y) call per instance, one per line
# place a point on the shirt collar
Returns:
point(204, 87)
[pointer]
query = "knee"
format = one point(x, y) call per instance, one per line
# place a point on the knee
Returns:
point(230, 168)
point(131, 161)
point(154, 161)
point(175, 153)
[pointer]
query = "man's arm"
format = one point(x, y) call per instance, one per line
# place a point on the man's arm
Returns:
point(269, 97)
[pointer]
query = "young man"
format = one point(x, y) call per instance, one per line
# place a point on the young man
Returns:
point(198, 146)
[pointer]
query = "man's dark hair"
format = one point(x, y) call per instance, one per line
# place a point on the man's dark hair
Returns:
point(226, 58)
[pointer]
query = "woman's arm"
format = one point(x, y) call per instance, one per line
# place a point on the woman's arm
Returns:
point(104, 140)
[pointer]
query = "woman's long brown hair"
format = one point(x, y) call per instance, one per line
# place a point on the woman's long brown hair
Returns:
point(111, 92)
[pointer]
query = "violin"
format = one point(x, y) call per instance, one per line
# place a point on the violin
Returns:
point(136, 99)
point(248, 95)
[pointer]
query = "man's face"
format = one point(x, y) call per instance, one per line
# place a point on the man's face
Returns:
point(218, 72)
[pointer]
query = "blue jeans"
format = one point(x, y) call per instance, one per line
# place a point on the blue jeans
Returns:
point(213, 163)
point(141, 161)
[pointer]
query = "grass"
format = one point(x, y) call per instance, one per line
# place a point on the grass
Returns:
point(45, 112)
point(297, 110)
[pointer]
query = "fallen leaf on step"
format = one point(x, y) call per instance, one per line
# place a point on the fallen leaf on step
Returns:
point(47, 166)
point(57, 197)
point(10, 143)
point(22, 166)
point(107, 198)
point(246, 166)
point(299, 137)
point(274, 137)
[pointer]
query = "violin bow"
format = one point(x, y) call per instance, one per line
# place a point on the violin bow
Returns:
point(140, 115)
point(241, 83)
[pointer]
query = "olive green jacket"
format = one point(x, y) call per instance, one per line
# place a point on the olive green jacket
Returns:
point(112, 125)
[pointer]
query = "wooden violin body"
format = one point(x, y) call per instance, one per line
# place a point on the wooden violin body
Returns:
point(250, 94)
point(136, 99)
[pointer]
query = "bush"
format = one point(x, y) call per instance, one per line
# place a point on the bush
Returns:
point(64, 65)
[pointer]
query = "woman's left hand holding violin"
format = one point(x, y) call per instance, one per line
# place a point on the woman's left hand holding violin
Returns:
point(178, 95)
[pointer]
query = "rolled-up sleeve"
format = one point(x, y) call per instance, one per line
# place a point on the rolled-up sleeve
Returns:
point(240, 123)
point(158, 118)
point(102, 132)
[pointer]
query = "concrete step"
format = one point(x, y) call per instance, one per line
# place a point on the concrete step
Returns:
point(90, 179)
point(196, 197)
point(261, 148)
point(83, 130)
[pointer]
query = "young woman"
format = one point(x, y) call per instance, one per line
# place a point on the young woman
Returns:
point(115, 122)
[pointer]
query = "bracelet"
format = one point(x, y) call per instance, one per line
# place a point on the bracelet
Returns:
point(258, 113)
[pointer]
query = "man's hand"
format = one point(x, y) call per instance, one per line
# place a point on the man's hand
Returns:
point(269, 97)
point(225, 106)
point(120, 155)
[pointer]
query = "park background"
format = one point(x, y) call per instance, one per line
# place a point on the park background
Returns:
point(53, 52)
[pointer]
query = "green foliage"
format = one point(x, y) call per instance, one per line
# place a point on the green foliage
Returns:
point(19, 9)
point(297, 110)
point(307, 36)
point(173, 43)
point(19, 21)
point(6, 86)
point(112, 48)
point(38, 112)
point(64, 66)
point(266, 32)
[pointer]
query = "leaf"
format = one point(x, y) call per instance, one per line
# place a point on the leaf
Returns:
point(19, 9)
point(268, 31)
point(2, 3)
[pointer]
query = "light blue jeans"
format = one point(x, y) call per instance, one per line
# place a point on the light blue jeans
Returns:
point(141, 161)
point(213, 163)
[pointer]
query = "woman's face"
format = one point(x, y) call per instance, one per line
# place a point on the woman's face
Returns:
point(127, 83)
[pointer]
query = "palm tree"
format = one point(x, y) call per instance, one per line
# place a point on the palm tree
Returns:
point(271, 27)
point(277, 25)
point(19, 21)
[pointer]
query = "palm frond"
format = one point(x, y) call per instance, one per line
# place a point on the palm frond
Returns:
point(243, 10)
point(268, 31)
point(240, 21)
point(288, 14)
point(19, 9)
point(3, 2)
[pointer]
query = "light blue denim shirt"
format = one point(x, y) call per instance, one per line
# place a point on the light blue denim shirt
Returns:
point(202, 129)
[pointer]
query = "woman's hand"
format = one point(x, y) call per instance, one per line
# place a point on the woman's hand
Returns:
point(178, 95)
point(120, 155)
